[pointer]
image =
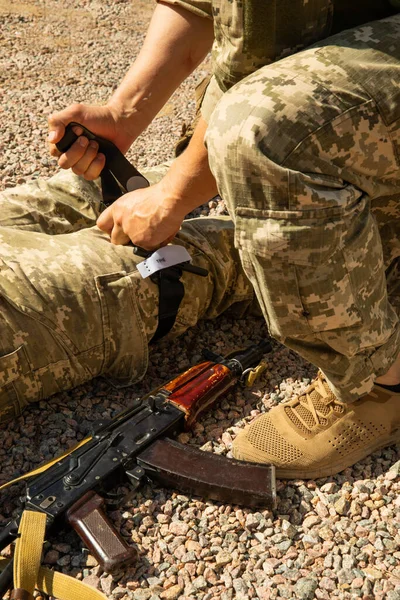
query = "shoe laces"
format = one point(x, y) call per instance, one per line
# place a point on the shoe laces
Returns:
point(312, 408)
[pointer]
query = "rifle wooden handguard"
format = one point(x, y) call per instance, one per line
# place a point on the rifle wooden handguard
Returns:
point(200, 387)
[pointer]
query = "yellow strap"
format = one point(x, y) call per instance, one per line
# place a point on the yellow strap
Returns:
point(46, 466)
point(64, 587)
point(61, 586)
point(28, 550)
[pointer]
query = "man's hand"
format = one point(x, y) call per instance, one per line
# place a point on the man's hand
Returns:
point(83, 156)
point(176, 42)
point(147, 217)
point(151, 217)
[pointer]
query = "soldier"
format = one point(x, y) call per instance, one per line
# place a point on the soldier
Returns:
point(304, 147)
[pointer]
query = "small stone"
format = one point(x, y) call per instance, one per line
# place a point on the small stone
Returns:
point(142, 594)
point(285, 591)
point(153, 581)
point(327, 584)
point(329, 488)
point(288, 529)
point(310, 521)
point(92, 580)
point(172, 593)
point(321, 510)
point(223, 558)
point(342, 506)
point(192, 546)
point(348, 562)
point(90, 561)
point(372, 573)
point(284, 546)
point(178, 527)
point(64, 560)
point(200, 583)
point(305, 588)
point(63, 548)
point(269, 565)
point(326, 533)
point(252, 522)
point(309, 541)
point(189, 557)
point(107, 584)
point(161, 518)
point(357, 583)
point(345, 576)
point(51, 557)
point(240, 587)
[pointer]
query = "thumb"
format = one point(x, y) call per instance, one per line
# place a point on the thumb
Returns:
point(105, 222)
point(58, 121)
point(56, 129)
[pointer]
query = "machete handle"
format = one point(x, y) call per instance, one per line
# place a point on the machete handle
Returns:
point(92, 525)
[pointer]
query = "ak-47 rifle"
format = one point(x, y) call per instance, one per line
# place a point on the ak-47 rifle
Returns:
point(135, 445)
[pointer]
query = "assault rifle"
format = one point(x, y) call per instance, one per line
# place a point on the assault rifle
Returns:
point(135, 446)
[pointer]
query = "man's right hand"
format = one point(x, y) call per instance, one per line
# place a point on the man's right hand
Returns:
point(83, 156)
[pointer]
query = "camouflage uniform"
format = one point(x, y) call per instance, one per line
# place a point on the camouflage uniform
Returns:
point(311, 147)
point(73, 306)
point(310, 144)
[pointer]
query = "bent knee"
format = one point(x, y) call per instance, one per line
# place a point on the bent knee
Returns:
point(273, 111)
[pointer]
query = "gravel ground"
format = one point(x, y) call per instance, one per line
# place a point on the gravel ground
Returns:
point(337, 537)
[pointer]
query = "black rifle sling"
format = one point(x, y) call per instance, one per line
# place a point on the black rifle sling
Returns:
point(118, 171)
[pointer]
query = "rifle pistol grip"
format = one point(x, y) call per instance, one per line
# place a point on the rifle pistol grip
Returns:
point(90, 522)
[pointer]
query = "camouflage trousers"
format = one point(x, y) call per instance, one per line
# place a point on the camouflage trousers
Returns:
point(311, 175)
point(73, 305)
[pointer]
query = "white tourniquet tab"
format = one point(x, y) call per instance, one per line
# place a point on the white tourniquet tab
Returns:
point(168, 256)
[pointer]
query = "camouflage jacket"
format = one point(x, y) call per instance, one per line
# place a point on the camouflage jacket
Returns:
point(252, 33)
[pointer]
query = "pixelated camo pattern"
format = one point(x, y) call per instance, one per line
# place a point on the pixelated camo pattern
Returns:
point(311, 176)
point(73, 305)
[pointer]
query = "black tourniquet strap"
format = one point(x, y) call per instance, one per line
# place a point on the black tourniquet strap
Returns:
point(118, 176)
point(171, 292)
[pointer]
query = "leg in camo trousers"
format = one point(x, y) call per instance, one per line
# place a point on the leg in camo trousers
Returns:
point(311, 175)
point(73, 305)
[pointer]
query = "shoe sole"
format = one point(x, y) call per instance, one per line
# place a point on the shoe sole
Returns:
point(329, 470)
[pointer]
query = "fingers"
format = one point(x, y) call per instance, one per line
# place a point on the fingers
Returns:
point(118, 237)
point(58, 121)
point(105, 222)
point(108, 223)
point(82, 157)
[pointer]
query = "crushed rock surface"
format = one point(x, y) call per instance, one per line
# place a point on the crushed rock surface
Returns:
point(337, 537)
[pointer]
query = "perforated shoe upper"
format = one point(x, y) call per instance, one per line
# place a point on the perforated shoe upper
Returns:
point(315, 434)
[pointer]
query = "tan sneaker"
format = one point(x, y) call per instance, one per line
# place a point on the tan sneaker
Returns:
point(315, 435)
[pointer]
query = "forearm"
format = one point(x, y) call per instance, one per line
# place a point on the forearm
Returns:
point(189, 182)
point(150, 217)
point(176, 42)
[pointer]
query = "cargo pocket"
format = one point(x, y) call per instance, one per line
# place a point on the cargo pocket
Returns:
point(296, 264)
point(300, 237)
point(125, 340)
point(18, 384)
